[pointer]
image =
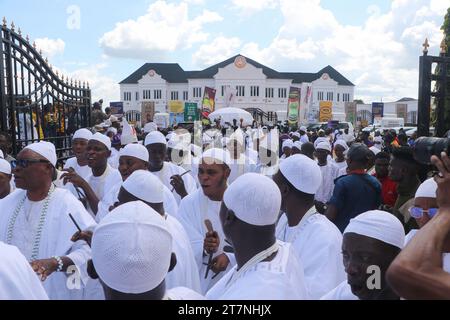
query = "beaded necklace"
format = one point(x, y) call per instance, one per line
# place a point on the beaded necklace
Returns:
point(38, 235)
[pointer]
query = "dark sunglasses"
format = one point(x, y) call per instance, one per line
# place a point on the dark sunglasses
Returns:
point(24, 163)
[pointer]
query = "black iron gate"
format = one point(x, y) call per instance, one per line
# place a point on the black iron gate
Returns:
point(36, 102)
point(440, 92)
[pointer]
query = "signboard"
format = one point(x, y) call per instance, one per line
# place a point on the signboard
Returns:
point(162, 120)
point(377, 111)
point(208, 102)
point(116, 109)
point(147, 112)
point(402, 111)
point(176, 106)
point(191, 112)
point(325, 111)
point(293, 106)
point(176, 118)
point(350, 112)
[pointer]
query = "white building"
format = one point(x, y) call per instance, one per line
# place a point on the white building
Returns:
point(256, 85)
point(405, 107)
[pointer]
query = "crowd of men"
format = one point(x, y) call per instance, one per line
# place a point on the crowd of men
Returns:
point(223, 213)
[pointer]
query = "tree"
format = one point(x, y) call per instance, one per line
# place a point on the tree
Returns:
point(358, 101)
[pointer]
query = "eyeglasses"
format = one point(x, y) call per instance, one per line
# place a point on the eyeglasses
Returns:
point(417, 212)
point(24, 163)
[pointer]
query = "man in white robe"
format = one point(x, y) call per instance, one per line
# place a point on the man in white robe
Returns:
point(268, 153)
point(79, 163)
point(424, 209)
point(267, 269)
point(316, 240)
point(371, 242)
point(104, 178)
point(5, 178)
point(133, 157)
point(143, 186)
point(17, 280)
point(240, 163)
point(303, 136)
point(172, 176)
point(329, 174)
point(132, 254)
point(35, 219)
point(204, 204)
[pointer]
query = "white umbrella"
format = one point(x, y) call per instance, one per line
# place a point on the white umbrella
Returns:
point(230, 113)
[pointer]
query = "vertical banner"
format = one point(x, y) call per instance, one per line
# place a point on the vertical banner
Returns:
point(116, 109)
point(350, 112)
point(293, 106)
point(377, 111)
point(325, 111)
point(147, 112)
point(208, 102)
point(191, 113)
point(402, 111)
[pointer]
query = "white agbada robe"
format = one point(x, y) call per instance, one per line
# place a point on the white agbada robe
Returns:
point(304, 138)
point(113, 159)
point(329, 173)
point(185, 273)
point(83, 171)
point(194, 210)
point(105, 184)
point(169, 169)
point(445, 256)
point(252, 155)
point(17, 280)
point(56, 234)
point(170, 204)
point(279, 279)
point(240, 166)
point(341, 292)
point(318, 244)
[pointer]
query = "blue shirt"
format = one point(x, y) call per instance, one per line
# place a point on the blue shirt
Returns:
point(354, 194)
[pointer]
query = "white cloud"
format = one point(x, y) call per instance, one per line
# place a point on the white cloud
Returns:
point(163, 29)
point(220, 49)
point(380, 56)
point(50, 47)
point(249, 7)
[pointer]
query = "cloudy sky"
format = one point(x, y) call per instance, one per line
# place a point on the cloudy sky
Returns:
point(375, 44)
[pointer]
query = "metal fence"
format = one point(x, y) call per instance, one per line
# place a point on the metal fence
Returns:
point(36, 102)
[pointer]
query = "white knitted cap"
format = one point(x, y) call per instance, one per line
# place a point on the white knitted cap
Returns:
point(103, 139)
point(131, 248)
point(145, 186)
point(254, 199)
point(135, 150)
point(302, 172)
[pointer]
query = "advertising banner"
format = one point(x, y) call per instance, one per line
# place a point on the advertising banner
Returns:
point(325, 111)
point(208, 102)
point(402, 111)
point(147, 112)
point(116, 109)
point(191, 112)
point(377, 111)
point(350, 112)
point(293, 106)
point(176, 106)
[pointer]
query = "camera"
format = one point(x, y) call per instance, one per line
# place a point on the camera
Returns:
point(426, 147)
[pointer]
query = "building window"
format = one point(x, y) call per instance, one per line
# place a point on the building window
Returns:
point(254, 91)
point(269, 92)
point(185, 96)
point(224, 89)
point(320, 95)
point(240, 91)
point(157, 94)
point(346, 97)
point(174, 95)
point(197, 92)
point(127, 96)
point(329, 96)
point(338, 96)
point(146, 95)
point(282, 92)
point(137, 96)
